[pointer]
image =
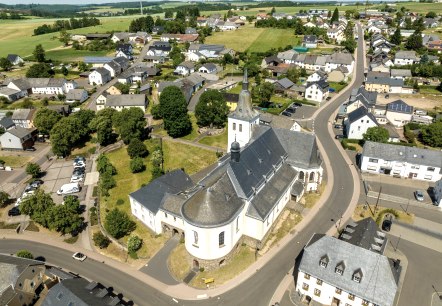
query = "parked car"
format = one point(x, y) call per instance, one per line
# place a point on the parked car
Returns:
point(386, 225)
point(36, 183)
point(79, 256)
point(29, 188)
point(297, 104)
point(338, 126)
point(79, 159)
point(77, 179)
point(32, 149)
point(79, 165)
point(339, 136)
point(286, 113)
point(78, 171)
point(291, 110)
point(14, 211)
point(328, 98)
point(419, 195)
point(68, 188)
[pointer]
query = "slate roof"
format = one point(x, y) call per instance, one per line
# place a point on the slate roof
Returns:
point(385, 81)
point(406, 55)
point(6, 123)
point(75, 94)
point(151, 196)
point(398, 153)
point(399, 106)
point(321, 84)
point(125, 48)
point(406, 73)
point(23, 114)
point(114, 66)
point(244, 110)
point(20, 132)
point(310, 39)
point(8, 91)
point(285, 83)
point(12, 57)
point(210, 66)
point(126, 100)
point(97, 59)
point(102, 71)
point(365, 234)
point(340, 58)
point(297, 188)
point(187, 64)
point(378, 284)
point(360, 113)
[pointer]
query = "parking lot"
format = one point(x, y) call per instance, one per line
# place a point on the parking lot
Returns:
point(58, 174)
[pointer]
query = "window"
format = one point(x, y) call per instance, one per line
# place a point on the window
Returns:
point(237, 224)
point(357, 275)
point(324, 261)
point(430, 169)
point(305, 286)
point(307, 276)
point(356, 278)
point(221, 239)
point(240, 127)
point(317, 292)
point(195, 238)
point(351, 297)
point(340, 268)
point(319, 282)
point(338, 291)
point(59, 296)
point(165, 215)
point(234, 126)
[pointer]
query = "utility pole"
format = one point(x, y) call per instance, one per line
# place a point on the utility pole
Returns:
point(377, 201)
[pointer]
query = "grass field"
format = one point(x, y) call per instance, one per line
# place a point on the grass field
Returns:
point(274, 38)
point(72, 55)
point(219, 141)
point(15, 161)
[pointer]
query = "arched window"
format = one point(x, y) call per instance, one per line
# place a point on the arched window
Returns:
point(312, 176)
point(301, 175)
point(221, 239)
point(195, 238)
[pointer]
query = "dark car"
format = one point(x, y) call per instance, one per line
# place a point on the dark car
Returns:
point(328, 98)
point(36, 183)
point(339, 136)
point(387, 96)
point(291, 110)
point(297, 104)
point(32, 149)
point(14, 211)
point(79, 159)
point(286, 113)
point(30, 188)
point(338, 126)
point(386, 225)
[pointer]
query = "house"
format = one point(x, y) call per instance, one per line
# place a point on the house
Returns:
point(427, 38)
point(140, 38)
point(122, 62)
point(79, 291)
point(270, 61)
point(435, 45)
point(121, 37)
point(282, 85)
point(120, 102)
point(358, 122)
point(287, 57)
point(209, 68)
point(185, 68)
point(336, 34)
point(400, 74)
point(310, 41)
point(342, 271)
point(6, 123)
point(157, 30)
point(317, 91)
point(113, 68)
point(431, 22)
point(76, 95)
point(339, 59)
point(17, 138)
point(21, 278)
point(10, 93)
point(99, 76)
point(97, 61)
point(23, 118)
point(155, 59)
point(317, 76)
point(101, 100)
point(180, 38)
point(384, 84)
point(205, 51)
point(401, 161)
point(124, 50)
point(437, 192)
point(14, 59)
point(190, 31)
point(260, 156)
point(46, 86)
point(279, 122)
point(63, 110)
point(361, 97)
point(159, 48)
point(403, 58)
point(399, 113)
point(138, 74)
point(227, 26)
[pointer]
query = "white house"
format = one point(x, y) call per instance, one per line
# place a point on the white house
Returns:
point(17, 138)
point(403, 58)
point(437, 191)
point(14, 59)
point(402, 161)
point(23, 118)
point(399, 113)
point(336, 34)
point(101, 100)
point(99, 76)
point(358, 122)
point(120, 102)
point(209, 68)
point(339, 59)
point(342, 271)
point(317, 91)
point(236, 202)
point(317, 76)
point(310, 41)
point(185, 68)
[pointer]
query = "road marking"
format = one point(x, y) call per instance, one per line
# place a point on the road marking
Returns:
point(201, 296)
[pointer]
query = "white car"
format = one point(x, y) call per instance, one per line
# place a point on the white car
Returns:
point(79, 256)
point(79, 164)
point(77, 179)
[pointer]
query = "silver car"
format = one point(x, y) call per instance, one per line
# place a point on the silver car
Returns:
point(419, 195)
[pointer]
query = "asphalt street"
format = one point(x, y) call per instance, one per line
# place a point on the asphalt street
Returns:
point(259, 288)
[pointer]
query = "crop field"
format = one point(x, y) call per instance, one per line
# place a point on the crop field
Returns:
point(274, 38)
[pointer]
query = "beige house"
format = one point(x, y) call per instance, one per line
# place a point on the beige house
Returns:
point(113, 90)
point(101, 100)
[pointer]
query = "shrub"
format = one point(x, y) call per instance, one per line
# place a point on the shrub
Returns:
point(384, 212)
point(118, 224)
point(134, 243)
point(33, 169)
point(101, 240)
point(24, 254)
point(137, 165)
point(137, 148)
point(120, 202)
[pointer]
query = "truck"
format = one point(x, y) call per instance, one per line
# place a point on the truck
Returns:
point(69, 188)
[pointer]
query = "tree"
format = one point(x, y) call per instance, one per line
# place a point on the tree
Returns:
point(5, 64)
point(424, 59)
point(272, 11)
point(134, 243)
point(173, 108)
point(64, 37)
point(39, 53)
point(431, 14)
point(396, 38)
point(24, 254)
point(129, 124)
point(211, 109)
point(101, 240)
point(65, 134)
point(137, 148)
point(156, 112)
point(40, 70)
point(45, 119)
point(65, 219)
point(263, 93)
point(432, 134)
point(335, 16)
point(293, 74)
point(37, 206)
point(33, 169)
point(64, 70)
point(414, 42)
point(348, 31)
point(137, 165)
point(118, 224)
point(376, 134)
point(349, 44)
point(103, 126)
point(4, 198)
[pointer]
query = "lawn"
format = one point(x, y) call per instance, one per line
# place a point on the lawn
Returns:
point(15, 161)
point(337, 86)
point(274, 38)
point(429, 90)
point(72, 55)
point(361, 213)
point(285, 102)
point(219, 141)
point(177, 263)
point(239, 40)
point(237, 89)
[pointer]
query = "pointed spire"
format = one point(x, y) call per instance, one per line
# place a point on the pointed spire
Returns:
point(245, 81)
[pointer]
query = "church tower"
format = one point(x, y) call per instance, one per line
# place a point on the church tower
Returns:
point(240, 121)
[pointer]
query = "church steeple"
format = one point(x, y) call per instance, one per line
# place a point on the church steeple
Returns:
point(245, 81)
point(244, 109)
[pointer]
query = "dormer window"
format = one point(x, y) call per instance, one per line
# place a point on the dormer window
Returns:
point(357, 275)
point(340, 268)
point(324, 261)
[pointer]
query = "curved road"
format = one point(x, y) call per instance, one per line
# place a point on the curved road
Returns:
point(259, 288)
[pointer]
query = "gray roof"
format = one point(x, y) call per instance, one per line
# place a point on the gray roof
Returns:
point(378, 284)
point(12, 57)
point(360, 113)
point(399, 106)
point(75, 94)
point(401, 72)
point(406, 55)
point(8, 91)
point(126, 100)
point(23, 114)
point(340, 58)
point(310, 39)
point(152, 195)
point(6, 123)
point(209, 66)
point(97, 59)
point(365, 234)
point(385, 81)
point(102, 71)
point(19, 132)
point(297, 188)
point(412, 155)
point(285, 83)
point(321, 84)
point(79, 292)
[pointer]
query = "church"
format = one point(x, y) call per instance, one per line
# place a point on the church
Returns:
point(240, 200)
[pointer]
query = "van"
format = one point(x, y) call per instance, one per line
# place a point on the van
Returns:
point(68, 188)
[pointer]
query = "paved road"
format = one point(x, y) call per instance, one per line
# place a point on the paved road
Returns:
point(260, 287)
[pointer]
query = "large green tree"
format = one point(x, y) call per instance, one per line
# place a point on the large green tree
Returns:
point(414, 42)
point(211, 109)
point(45, 119)
point(5, 64)
point(173, 109)
point(37, 206)
point(137, 148)
point(4, 198)
point(130, 123)
point(65, 134)
point(40, 70)
point(33, 169)
point(432, 134)
point(376, 134)
point(118, 224)
point(396, 38)
point(335, 16)
point(39, 53)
